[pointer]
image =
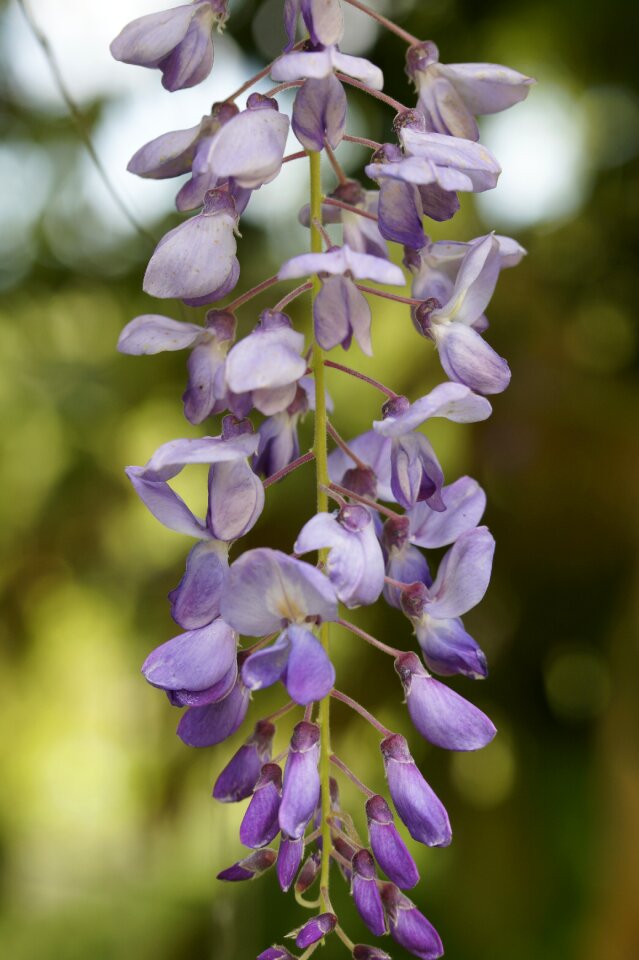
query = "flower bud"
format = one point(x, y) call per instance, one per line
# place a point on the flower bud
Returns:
point(441, 715)
point(395, 533)
point(416, 803)
point(365, 893)
point(362, 952)
point(348, 852)
point(289, 857)
point(252, 866)
point(258, 101)
point(390, 850)
point(408, 927)
point(314, 930)
point(309, 872)
point(260, 824)
point(301, 788)
point(413, 599)
point(395, 407)
point(275, 953)
point(422, 317)
point(350, 192)
point(239, 776)
point(361, 480)
point(419, 57)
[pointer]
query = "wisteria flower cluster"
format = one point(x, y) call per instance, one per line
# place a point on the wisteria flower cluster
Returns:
point(262, 617)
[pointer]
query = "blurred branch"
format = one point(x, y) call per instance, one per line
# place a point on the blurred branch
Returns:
point(77, 116)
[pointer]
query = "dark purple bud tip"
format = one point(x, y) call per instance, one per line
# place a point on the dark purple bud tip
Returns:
point(305, 736)
point(354, 517)
point(395, 533)
point(387, 153)
point(361, 481)
point(218, 201)
point(413, 599)
point(276, 953)
point(257, 101)
point(274, 320)
point(407, 666)
point(420, 56)
point(250, 867)
point(300, 404)
point(314, 930)
point(221, 323)
point(422, 315)
point(362, 952)
point(366, 893)
point(309, 872)
point(233, 427)
point(395, 747)
point(408, 927)
point(333, 786)
point(350, 192)
point(223, 111)
point(395, 407)
point(411, 259)
point(409, 118)
point(260, 823)
point(347, 851)
point(390, 851)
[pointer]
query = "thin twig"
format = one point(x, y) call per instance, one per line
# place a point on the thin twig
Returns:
point(336, 165)
point(363, 141)
point(341, 443)
point(289, 468)
point(360, 376)
point(345, 492)
point(395, 104)
point(384, 22)
point(77, 116)
point(363, 712)
point(331, 202)
point(325, 237)
point(303, 287)
point(369, 639)
point(411, 301)
point(295, 156)
point(259, 76)
point(283, 86)
point(253, 292)
point(335, 760)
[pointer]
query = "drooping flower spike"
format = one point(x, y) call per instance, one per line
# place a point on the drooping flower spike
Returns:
point(252, 618)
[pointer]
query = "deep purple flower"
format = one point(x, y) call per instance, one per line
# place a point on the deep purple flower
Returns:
point(252, 866)
point(362, 952)
point(309, 872)
point(275, 953)
point(208, 725)
point(278, 436)
point(441, 715)
point(408, 927)
point(260, 824)
point(289, 857)
point(183, 265)
point(239, 776)
point(415, 471)
point(176, 41)
point(366, 893)
point(315, 929)
point(319, 113)
point(417, 805)
point(389, 849)
point(464, 354)
point(268, 363)
point(322, 62)
point(450, 95)
point(301, 788)
point(355, 564)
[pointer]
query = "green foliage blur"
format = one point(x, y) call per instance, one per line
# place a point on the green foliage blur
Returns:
point(109, 839)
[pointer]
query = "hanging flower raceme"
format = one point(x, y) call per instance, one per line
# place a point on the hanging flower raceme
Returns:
point(392, 505)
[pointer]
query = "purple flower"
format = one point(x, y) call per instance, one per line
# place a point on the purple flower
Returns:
point(464, 158)
point(260, 824)
point(366, 893)
point(436, 265)
point(362, 952)
point(183, 264)
point(239, 776)
point(400, 211)
point(176, 41)
point(308, 873)
point(417, 805)
point(252, 866)
point(324, 20)
point(361, 234)
point(275, 953)
point(408, 927)
point(341, 312)
point(301, 788)
point(415, 470)
point(279, 443)
point(289, 857)
point(450, 95)
point(342, 260)
point(322, 62)
point(373, 450)
point(172, 154)
point(355, 565)
point(268, 364)
point(441, 715)
point(194, 664)
point(319, 113)
point(315, 929)
point(208, 725)
point(388, 847)
point(464, 354)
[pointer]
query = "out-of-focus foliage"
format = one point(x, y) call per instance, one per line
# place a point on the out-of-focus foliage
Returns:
point(109, 840)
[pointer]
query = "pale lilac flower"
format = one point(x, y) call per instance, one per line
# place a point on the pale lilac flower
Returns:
point(464, 354)
point(319, 113)
point(465, 157)
point(176, 41)
point(366, 893)
point(322, 62)
point(196, 261)
point(301, 787)
point(341, 312)
point(323, 19)
point(355, 565)
point(171, 154)
point(361, 234)
point(451, 95)
point(252, 866)
point(436, 265)
point(315, 929)
point(239, 776)
point(268, 363)
point(196, 667)
point(441, 715)
point(426, 186)
point(389, 849)
point(340, 261)
point(400, 212)
point(421, 811)
point(408, 927)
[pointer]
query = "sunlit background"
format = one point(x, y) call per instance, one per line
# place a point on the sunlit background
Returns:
point(109, 839)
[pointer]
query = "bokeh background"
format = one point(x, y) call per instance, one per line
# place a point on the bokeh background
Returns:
point(109, 840)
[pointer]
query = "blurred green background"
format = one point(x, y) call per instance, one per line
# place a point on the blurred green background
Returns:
point(109, 839)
